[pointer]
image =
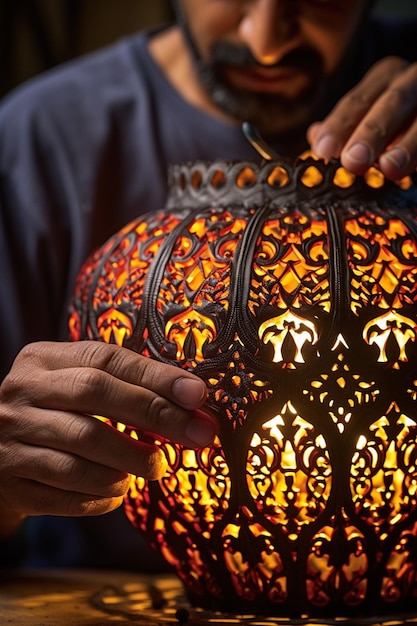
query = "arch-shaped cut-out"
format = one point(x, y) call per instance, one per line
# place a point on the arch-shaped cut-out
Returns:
point(278, 177)
point(292, 292)
point(312, 177)
point(196, 179)
point(374, 178)
point(218, 179)
point(404, 183)
point(343, 178)
point(246, 177)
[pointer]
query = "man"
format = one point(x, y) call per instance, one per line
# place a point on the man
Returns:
point(85, 149)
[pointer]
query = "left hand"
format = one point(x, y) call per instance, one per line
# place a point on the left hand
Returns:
point(375, 122)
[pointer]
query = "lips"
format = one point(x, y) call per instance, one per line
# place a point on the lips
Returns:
point(279, 80)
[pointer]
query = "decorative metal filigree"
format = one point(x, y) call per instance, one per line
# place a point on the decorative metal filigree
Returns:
point(291, 290)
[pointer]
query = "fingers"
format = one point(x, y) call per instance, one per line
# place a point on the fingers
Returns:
point(375, 122)
point(186, 389)
point(31, 498)
point(66, 464)
point(56, 458)
point(46, 481)
point(40, 480)
point(329, 136)
point(81, 452)
point(102, 379)
point(400, 159)
point(70, 473)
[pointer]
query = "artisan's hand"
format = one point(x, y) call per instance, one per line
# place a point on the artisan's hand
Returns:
point(375, 122)
point(55, 458)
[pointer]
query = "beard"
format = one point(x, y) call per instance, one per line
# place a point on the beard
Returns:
point(272, 114)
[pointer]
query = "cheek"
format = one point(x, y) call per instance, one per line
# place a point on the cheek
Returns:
point(331, 45)
point(209, 25)
point(330, 34)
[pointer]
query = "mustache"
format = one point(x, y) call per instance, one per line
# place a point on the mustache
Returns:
point(302, 58)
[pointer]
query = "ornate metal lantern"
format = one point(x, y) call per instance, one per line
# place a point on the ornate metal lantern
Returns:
point(291, 290)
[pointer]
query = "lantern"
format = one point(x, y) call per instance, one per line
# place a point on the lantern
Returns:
point(290, 289)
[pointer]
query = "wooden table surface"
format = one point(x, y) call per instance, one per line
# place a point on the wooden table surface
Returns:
point(101, 598)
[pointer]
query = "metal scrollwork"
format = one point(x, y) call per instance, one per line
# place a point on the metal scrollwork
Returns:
point(291, 289)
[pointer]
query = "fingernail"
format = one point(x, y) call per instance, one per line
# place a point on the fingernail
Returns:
point(360, 153)
point(327, 146)
point(189, 392)
point(398, 157)
point(201, 430)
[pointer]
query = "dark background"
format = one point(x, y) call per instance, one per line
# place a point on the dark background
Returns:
point(37, 34)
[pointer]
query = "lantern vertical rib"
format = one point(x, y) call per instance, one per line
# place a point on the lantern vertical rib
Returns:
point(290, 289)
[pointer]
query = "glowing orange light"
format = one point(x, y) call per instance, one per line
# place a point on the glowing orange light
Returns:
point(292, 291)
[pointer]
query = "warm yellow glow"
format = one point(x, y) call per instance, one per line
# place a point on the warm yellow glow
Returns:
point(374, 178)
point(381, 279)
point(114, 326)
point(405, 183)
point(314, 470)
point(190, 326)
point(218, 179)
point(340, 342)
point(311, 177)
point(190, 485)
point(343, 178)
point(292, 327)
point(278, 177)
point(268, 574)
point(390, 325)
point(291, 274)
point(246, 177)
point(350, 580)
point(274, 471)
point(381, 482)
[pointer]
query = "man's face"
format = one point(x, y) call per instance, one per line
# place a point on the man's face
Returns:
point(266, 61)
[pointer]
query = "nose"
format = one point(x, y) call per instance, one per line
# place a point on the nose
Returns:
point(267, 27)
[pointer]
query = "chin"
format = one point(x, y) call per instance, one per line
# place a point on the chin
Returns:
point(278, 121)
point(271, 113)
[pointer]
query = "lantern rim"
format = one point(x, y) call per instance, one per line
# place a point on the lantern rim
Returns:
point(305, 179)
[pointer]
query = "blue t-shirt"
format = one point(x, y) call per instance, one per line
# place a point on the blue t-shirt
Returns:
point(83, 150)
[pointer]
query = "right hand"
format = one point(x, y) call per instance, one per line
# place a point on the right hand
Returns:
point(376, 121)
point(56, 459)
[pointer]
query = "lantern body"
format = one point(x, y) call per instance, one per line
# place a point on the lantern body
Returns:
point(291, 291)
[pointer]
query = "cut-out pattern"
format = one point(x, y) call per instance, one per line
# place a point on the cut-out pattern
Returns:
point(291, 290)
